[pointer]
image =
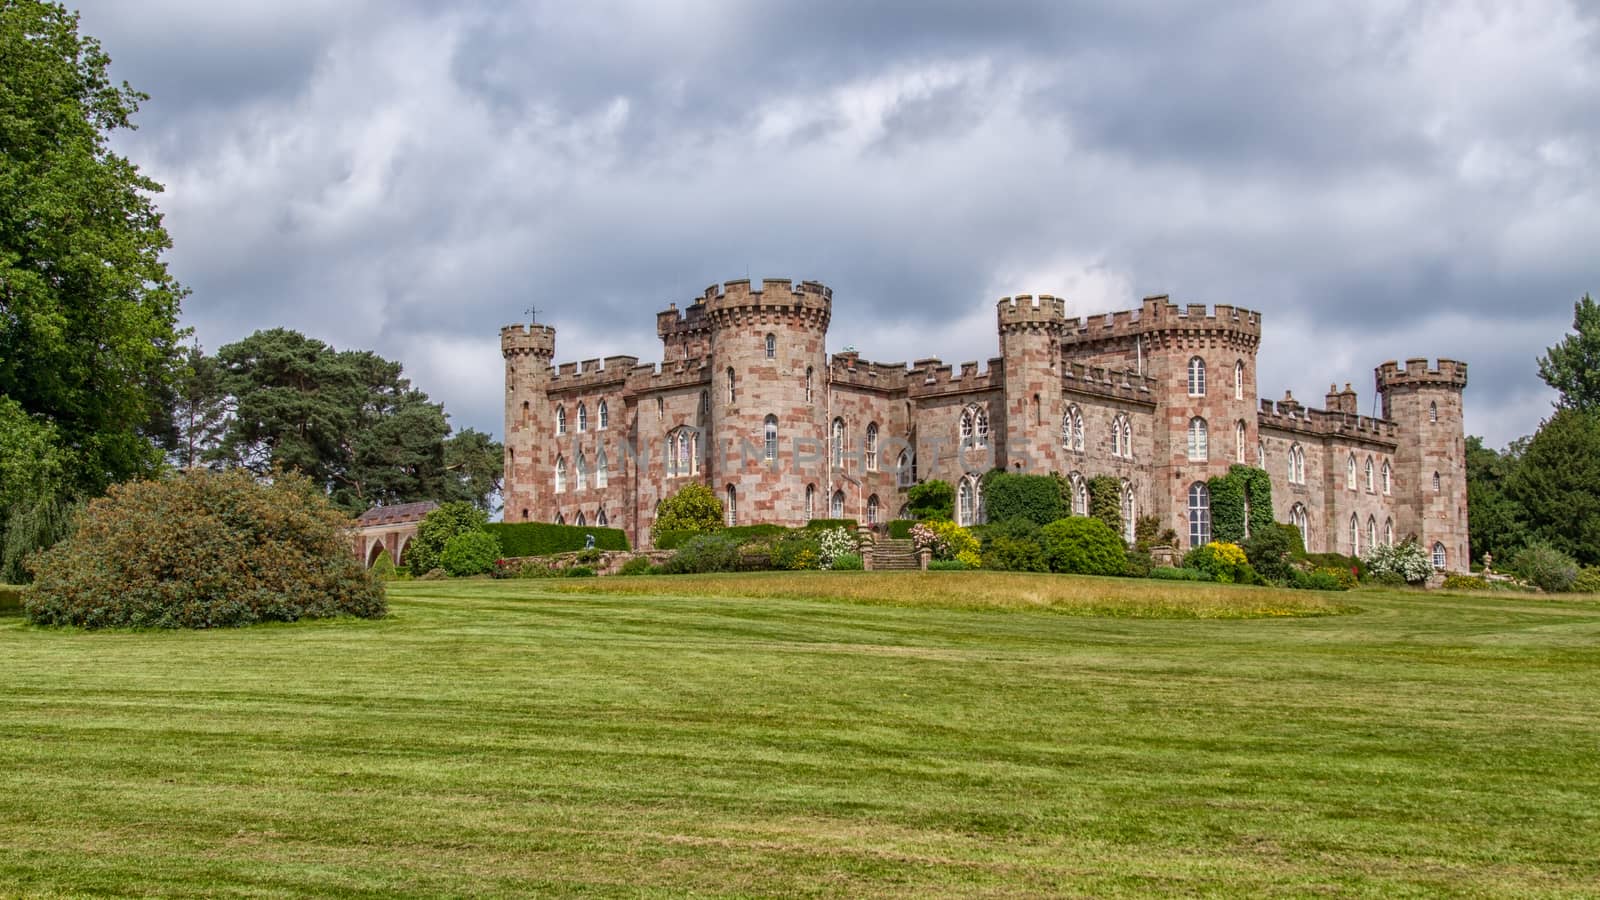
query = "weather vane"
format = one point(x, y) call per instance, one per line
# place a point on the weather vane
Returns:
point(532, 313)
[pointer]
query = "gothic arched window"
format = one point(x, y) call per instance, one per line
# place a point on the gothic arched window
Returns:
point(1238, 380)
point(602, 470)
point(1128, 521)
point(583, 471)
point(604, 417)
point(1438, 556)
point(561, 420)
point(772, 346)
point(732, 506)
point(838, 443)
point(1199, 450)
point(770, 428)
point(872, 510)
point(871, 447)
point(1199, 515)
point(1197, 377)
point(583, 418)
point(838, 504)
point(1388, 478)
point(561, 474)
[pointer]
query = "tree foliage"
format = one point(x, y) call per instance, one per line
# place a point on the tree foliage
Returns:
point(1013, 495)
point(469, 553)
point(1557, 484)
point(1083, 545)
point(1572, 366)
point(1105, 500)
point(933, 499)
point(88, 312)
point(436, 529)
point(692, 508)
point(1229, 496)
point(1496, 522)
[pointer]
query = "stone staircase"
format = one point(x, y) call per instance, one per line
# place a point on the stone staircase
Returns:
point(892, 555)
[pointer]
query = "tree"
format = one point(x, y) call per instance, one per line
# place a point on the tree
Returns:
point(1013, 495)
point(693, 508)
point(88, 312)
point(929, 500)
point(436, 529)
point(1572, 367)
point(194, 414)
point(474, 465)
point(1557, 482)
point(1496, 521)
point(33, 514)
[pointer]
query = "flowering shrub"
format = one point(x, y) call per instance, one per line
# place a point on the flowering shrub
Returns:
point(833, 543)
point(1226, 562)
point(947, 540)
point(1406, 560)
point(1547, 567)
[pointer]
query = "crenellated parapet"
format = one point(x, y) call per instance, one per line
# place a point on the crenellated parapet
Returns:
point(538, 341)
point(1449, 373)
point(932, 378)
point(1158, 321)
point(1288, 415)
point(646, 378)
point(807, 303)
point(1027, 313)
point(1099, 381)
point(849, 369)
point(592, 373)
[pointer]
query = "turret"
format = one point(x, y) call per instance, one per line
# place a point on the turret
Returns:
point(1030, 343)
point(529, 432)
point(1430, 462)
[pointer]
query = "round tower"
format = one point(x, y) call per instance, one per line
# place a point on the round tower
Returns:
point(529, 433)
point(1430, 463)
point(1030, 344)
point(769, 373)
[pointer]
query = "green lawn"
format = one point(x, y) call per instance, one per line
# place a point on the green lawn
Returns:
point(499, 737)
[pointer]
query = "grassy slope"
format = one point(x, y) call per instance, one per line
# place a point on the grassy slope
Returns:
point(486, 739)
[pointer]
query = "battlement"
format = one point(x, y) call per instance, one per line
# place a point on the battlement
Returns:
point(931, 378)
point(848, 368)
point(592, 373)
point(1448, 373)
point(531, 340)
point(1122, 384)
point(1288, 415)
point(1025, 311)
point(648, 377)
point(810, 301)
point(1159, 315)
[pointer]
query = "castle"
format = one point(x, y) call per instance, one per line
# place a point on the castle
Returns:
point(747, 401)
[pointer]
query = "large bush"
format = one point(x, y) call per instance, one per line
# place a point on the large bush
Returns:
point(1224, 561)
point(545, 538)
point(931, 500)
point(1270, 552)
point(693, 508)
point(1013, 545)
point(1083, 545)
point(436, 529)
point(1010, 495)
point(672, 540)
point(203, 550)
point(946, 540)
point(796, 550)
point(1547, 567)
point(1588, 580)
point(1405, 559)
point(706, 553)
point(470, 553)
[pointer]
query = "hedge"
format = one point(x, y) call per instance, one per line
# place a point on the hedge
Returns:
point(739, 534)
point(900, 529)
point(1105, 501)
point(10, 597)
point(544, 538)
point(1010, 495)
point(820, 524)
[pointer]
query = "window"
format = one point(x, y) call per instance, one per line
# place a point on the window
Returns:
point(1438, 556)
point(1297, 464)
point(838, 443)
point(732, 505)
point(1197, 377)
point(561, 474)
point(1128, 521)
point(1388, 532)
point(732, 393)
point(1121, 437)
point(1261, 454)
point(1355, 535)
point(1299, 519)
point(583, 419)
point(605, 419)
point(683, 451)
point(1238, 380)
point(966, 501)
point(1238, 440)
point(1433, 412)
point(1199, 515)
point(561, 420)
point(1072, 428)
point(1350, 472)
point(974, 426)
point(600, 519)
point(903, 469)
point(1372, 485)
point(1198, 450)
point(1038, 411)
point(705, 403)
point(602, 471)
point(583, 471)
point(808, 383)
point(772, 346)
point(838, 504)
point(661, 406)
point(872, 447)
point(811, 501)
point(872, 510)
point(561, 519)
point(1436, 482)
point(1388, 478)
point(1372, 533)
point(524, 514)
point(581, 520)
point(771, 439)
point(1080, 494)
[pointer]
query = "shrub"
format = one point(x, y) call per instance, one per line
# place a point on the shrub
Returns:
point(1325, 579)
point(1454, 582)
point(693, 508)
point(947, 540)
point(578, 572)
point(1016, 496)
point(469, 553)
point(849, 525)
point(546, 538)
point(1268, 551)
point(1168, 573)
point(383, 567)
point(706, 553)
point(1405, 559)
point(1083, 545)
point(947, 565)
point(795, 551)
point(1223, 561)
point(1588, 581)
point(203, 549)
point(587, 557)
point(743, 534)
point(1105, 500)
point(900, 529)
point(436, 529)
point(847, 562)
point(1547, 567)
point(1140, 563)
point(833, 543)
point(1337, 561)
point(639, 565)
point(1015, 554)
point(11, 597)
point(1382, 579)
point(434, 574)
point(933, 499)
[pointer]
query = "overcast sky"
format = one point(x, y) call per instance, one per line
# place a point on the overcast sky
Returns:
point(1379, 179)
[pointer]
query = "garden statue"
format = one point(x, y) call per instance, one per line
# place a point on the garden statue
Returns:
point(588, 542)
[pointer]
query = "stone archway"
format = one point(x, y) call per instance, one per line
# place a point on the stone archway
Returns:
point(373, 551)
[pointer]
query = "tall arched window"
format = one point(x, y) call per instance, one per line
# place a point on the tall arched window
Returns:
point(1238, 440)
point(1199, 450)
point(974, 426)
point(1261, 454)
point(600, 518)
point(705, 401)
point(602, 470)
point(683, 451)
point(904, 476)
point(1350, 472)
point(772, 346)
point(1355, 535)
point(809, 372)
point(561, 519)
point(1197, 377)
point(732, 392)
point(1388, 532)
point(1388, 478)
point(1433, 412)
point(1199, 515)
point(1128, 520)
point(731, 505)
point(583, 418)
point(872, 447)
point(837, 441)
point(1121, 437)
point(583, 471)
point(1238, 380)
point(1077, 427)
point(605, 418)
point(1301, 520)
point(838, 505)
point(581, 520)
point(1438, 556)
point(1436, 482)
point(1372, 483)
point(561, 474)
point(872, 510)
point(771, 439)
point(811, 501)
point(1372, 533)
point(561, 420)
point(966, 501)
point(1080, 494)
point(1297, 473)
